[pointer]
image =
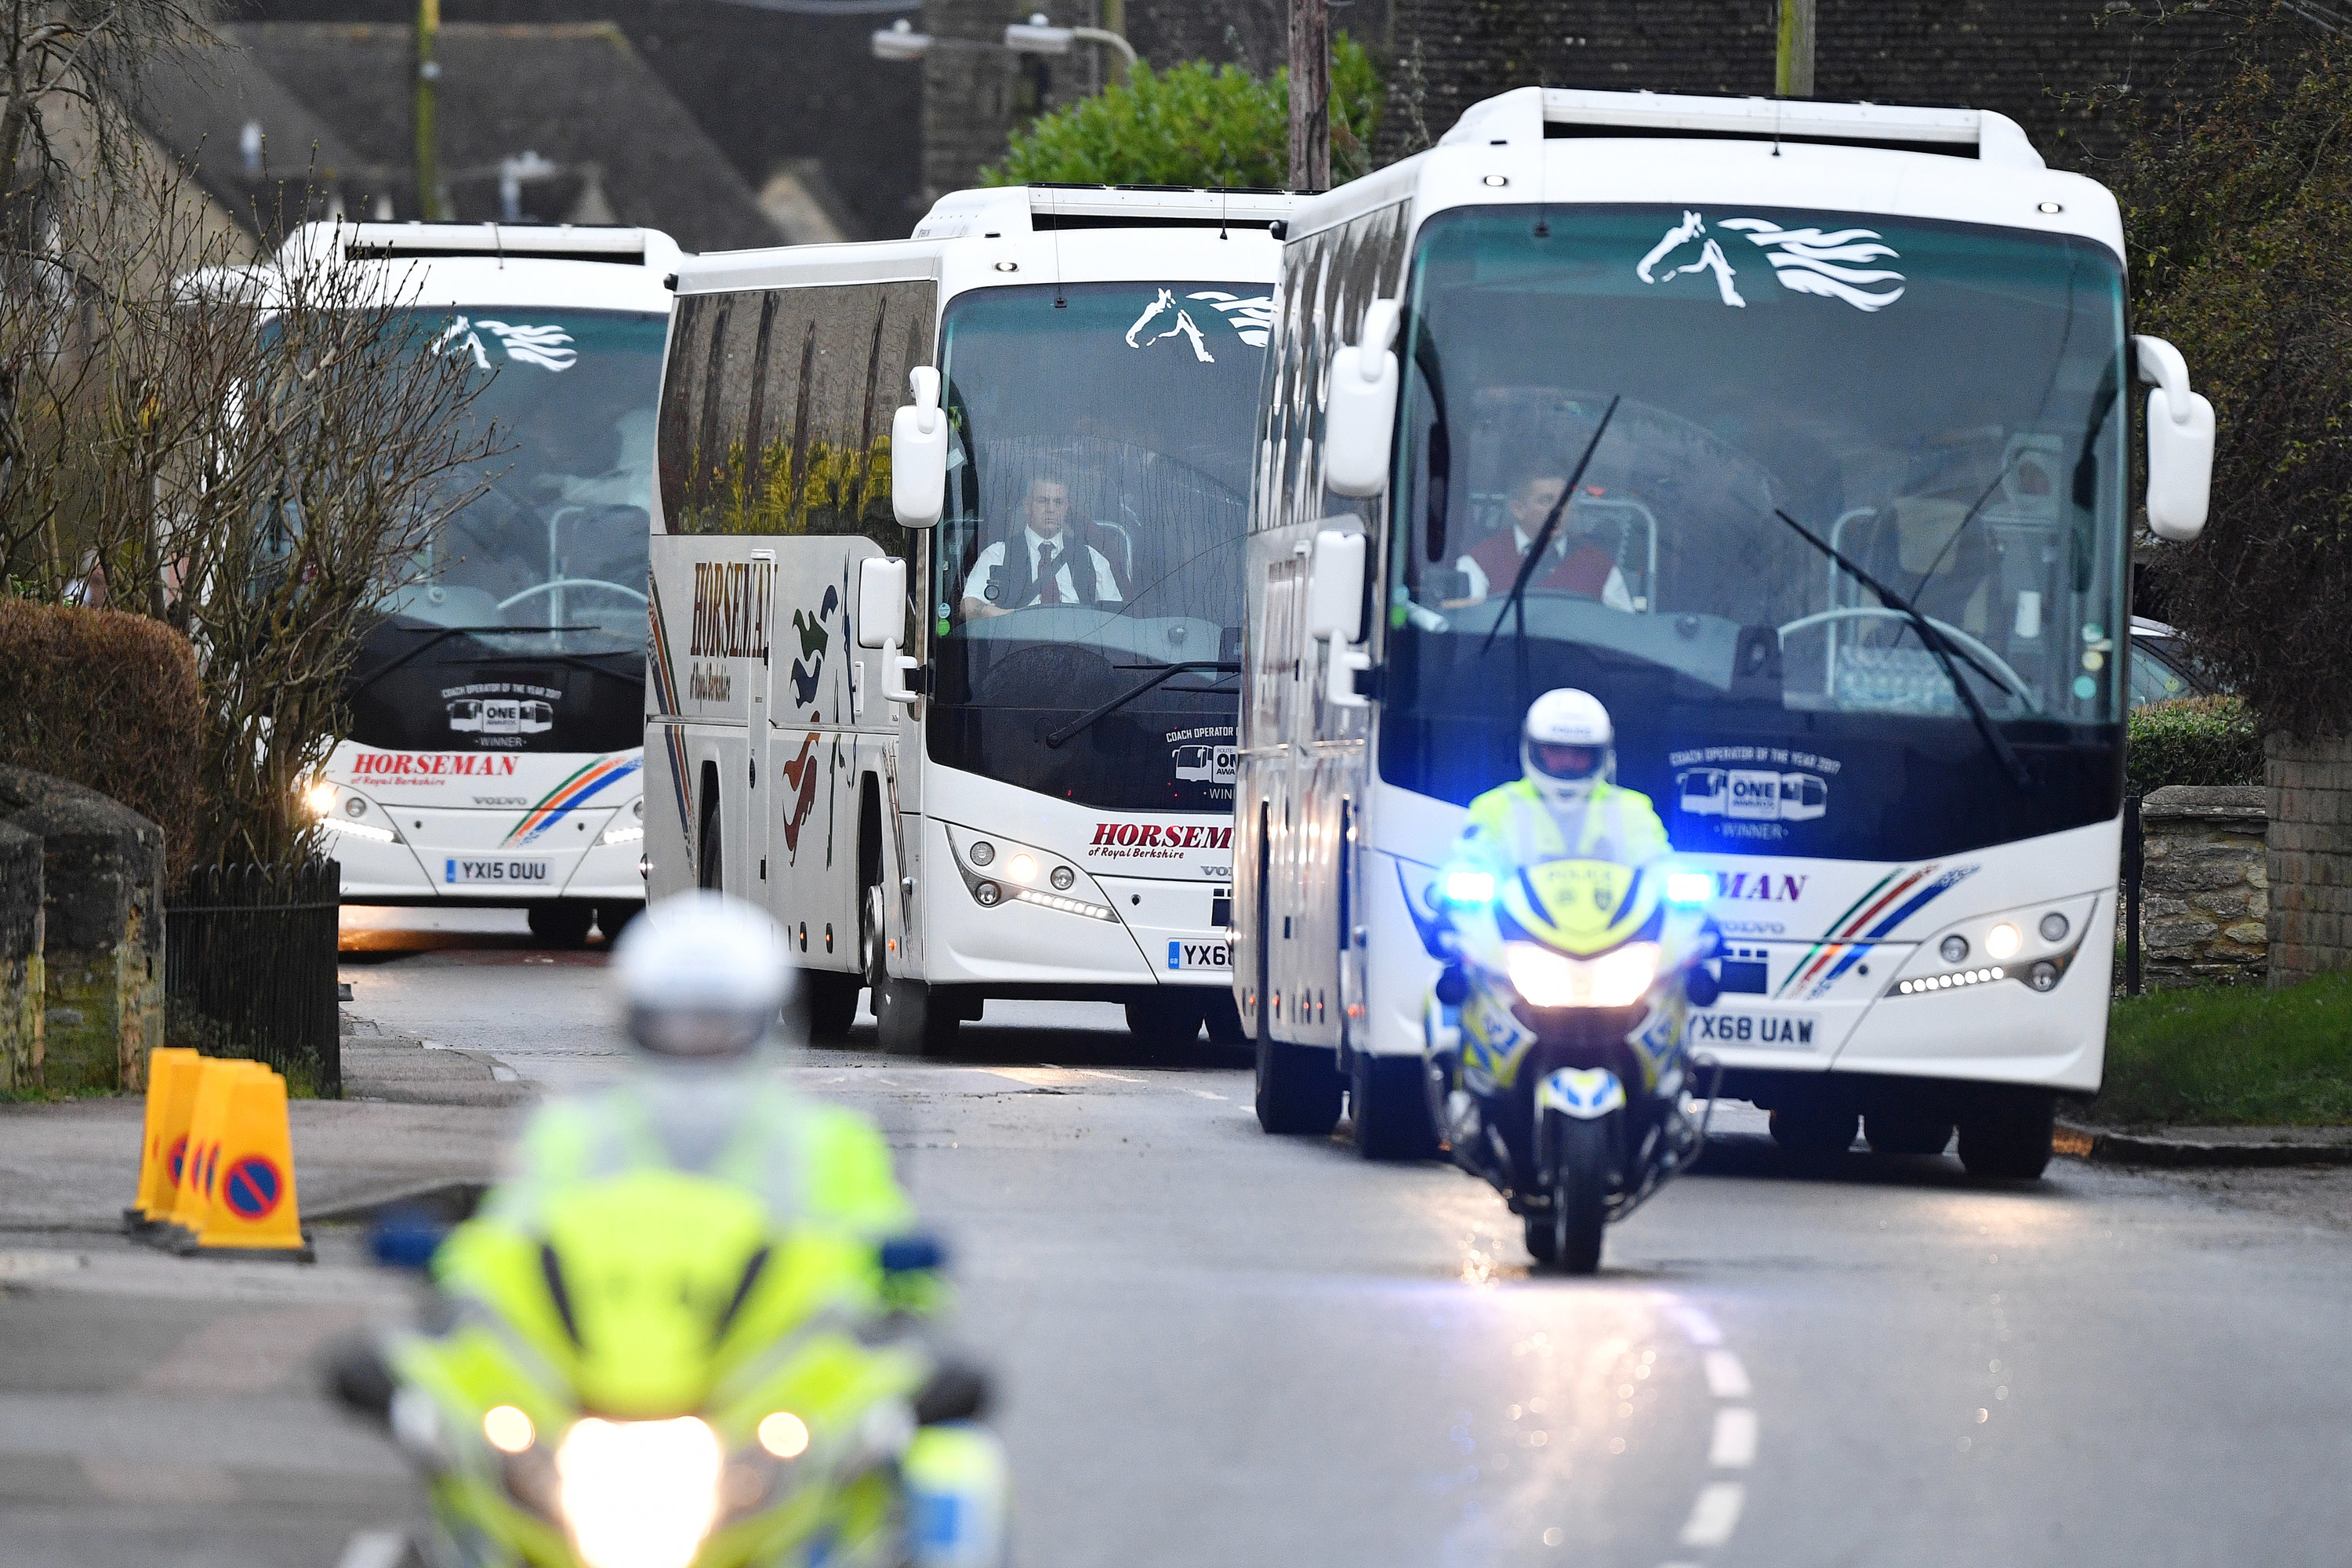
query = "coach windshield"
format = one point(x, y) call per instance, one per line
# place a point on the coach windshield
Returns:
point(1707, 465)
point(1097, 497)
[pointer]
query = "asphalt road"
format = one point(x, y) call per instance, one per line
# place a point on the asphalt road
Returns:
point(1217, 1347)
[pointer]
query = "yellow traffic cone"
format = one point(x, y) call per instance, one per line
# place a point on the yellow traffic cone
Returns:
point(249, 1176)
point(208, 1120)
point(172, 1075)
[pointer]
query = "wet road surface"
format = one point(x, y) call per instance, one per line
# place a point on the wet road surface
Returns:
point(1217, 1347)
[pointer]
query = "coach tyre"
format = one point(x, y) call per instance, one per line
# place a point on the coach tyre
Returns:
point(1907, 1129)
point(2005, 1132)
point(564, 923)
point(1388, 1108)
point(832, 1003)
point(1167, 1021)
point(1812, 1132)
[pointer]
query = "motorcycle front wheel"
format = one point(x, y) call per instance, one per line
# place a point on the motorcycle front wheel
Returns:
point(1569, 1237)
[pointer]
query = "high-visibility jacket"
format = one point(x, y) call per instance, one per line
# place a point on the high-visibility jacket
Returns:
point(809, 1163)
point(1511, 826)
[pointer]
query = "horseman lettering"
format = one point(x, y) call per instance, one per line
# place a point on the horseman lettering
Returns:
point(1759, 887)
point(1155, 840)
point(730, 609)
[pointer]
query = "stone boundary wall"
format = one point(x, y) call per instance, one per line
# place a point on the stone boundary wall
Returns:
point(2310, 858)
point(2204, 887)
point(101, 932)
point(22, 986)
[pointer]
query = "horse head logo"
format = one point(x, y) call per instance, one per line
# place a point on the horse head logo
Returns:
point(1838, 265)
point(1710, 258)
point(1808, 261)
point(1252, 319)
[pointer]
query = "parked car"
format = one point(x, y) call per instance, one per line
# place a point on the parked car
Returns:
point(2161, 668)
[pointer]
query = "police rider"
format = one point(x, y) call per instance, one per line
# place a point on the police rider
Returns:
point(705, 980)
point(1565, 801)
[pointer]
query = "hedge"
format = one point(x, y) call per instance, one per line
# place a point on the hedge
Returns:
point(2192, 740)
point(107, 700)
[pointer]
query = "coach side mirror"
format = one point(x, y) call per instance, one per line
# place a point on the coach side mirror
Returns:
point(1359, 419)
point(1335, 610)
point(881, 600)
point(881, 613)
point(918, 453)
point(2179, 443)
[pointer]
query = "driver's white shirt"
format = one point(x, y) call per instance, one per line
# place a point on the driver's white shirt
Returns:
point(984, 571)
point(1614, 593)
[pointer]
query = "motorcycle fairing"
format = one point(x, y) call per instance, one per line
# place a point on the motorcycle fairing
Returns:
point(649, 1295)
point(1586, 1093)
point(1581, 908)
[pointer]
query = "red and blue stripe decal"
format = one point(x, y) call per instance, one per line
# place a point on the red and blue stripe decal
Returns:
point(572, 793)
point(1896, 898)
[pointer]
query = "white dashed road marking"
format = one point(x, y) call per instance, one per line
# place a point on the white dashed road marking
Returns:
point(1715, 1515)
point(1734, 1447)
point(1698, 1328)
point(1715, 1512)
point(1725, 1378)
point(374, 1549)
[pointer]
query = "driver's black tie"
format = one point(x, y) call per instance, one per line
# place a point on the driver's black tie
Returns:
point(1049, 572)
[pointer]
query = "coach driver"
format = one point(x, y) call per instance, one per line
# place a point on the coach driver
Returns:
point(1048, 566)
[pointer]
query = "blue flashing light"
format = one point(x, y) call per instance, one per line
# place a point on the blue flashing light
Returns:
point(1469, 887)
point(1689, 889)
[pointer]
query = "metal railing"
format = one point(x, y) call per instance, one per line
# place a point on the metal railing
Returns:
point(2135, 860)
point(249, 969)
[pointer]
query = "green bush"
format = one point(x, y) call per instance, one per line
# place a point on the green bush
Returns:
point(1195, 124)
point(110, 701)
point(2192, 740)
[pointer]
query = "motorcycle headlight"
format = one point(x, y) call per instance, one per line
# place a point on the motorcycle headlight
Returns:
point(1624, 977)
point(1542, 977)
point(638, 1494)
point(1547, 979)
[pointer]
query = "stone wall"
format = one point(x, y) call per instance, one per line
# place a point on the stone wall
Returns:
point(2310, 859)
point(2204, 887)
point(102, 931)
point(22, 1002)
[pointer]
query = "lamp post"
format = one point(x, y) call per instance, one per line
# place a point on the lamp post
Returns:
point(1037, 37)
point(899, 41)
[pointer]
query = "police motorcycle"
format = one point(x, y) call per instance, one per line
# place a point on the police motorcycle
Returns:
point(665, 1382)
point(1553, 1054)
point(687, 1331)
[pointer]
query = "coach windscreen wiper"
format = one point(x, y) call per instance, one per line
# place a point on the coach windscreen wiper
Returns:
point(1165, 672)
point(1938, 645)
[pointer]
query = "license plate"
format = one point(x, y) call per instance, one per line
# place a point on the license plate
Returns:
point(1199, 955)
point(512, 873)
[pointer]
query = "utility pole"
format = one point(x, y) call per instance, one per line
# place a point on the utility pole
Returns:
point(1792, 74)
point(428, 74)
point(1310, 95)
point(1114, 20)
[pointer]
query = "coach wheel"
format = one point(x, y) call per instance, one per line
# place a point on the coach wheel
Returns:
point(2006, 1133)
point(564, 923)
point(1167, 1022)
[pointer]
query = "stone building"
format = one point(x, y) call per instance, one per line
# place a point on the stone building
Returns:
point(293, 120)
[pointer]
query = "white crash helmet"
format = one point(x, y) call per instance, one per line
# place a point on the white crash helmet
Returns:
point(1567, 747)
point(703, 975)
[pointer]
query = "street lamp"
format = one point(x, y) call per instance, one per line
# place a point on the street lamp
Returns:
point(899, 41)
point(1037, 37)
